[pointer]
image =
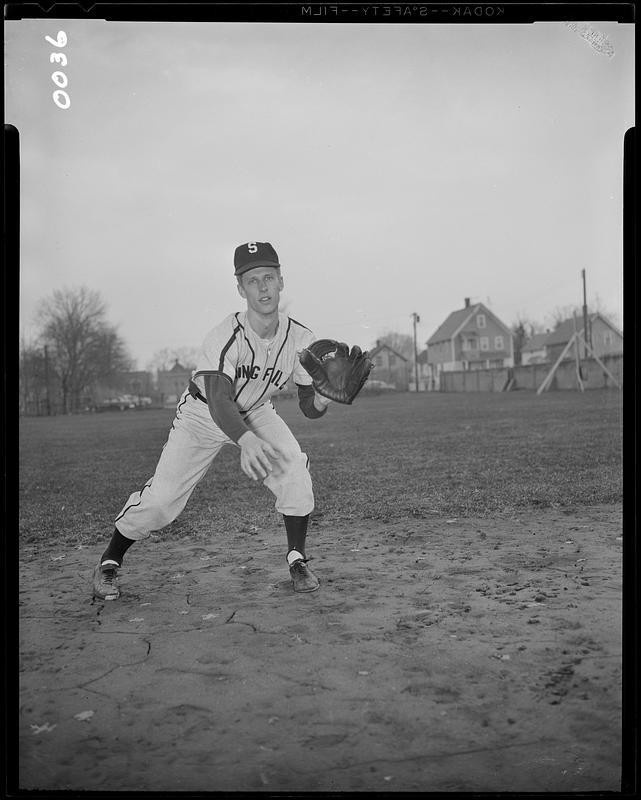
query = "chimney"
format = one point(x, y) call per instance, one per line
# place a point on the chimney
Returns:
point(467, 302)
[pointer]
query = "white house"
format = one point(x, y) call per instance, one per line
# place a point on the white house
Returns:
point(472, 337)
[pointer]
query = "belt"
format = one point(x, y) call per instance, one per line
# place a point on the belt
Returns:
point(194, 392)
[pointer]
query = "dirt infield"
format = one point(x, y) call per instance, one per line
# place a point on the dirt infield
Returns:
point(440, 654)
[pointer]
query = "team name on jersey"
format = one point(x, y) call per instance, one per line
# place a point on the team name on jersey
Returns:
point(270, 374)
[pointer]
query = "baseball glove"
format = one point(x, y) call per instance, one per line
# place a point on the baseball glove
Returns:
point(336, 371)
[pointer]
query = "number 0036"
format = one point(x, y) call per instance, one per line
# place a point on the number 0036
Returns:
point(60, 96)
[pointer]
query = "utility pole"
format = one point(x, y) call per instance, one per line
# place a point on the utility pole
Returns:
point(585, 319)
point(415, 319)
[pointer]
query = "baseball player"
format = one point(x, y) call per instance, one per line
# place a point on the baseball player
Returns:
point(244, 362)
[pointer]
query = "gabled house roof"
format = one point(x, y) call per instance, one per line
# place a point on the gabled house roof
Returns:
point(375, 350)
point(563, 333)
point(536, 342)
point(448, 328)
point(456, 321)
point(177, 367)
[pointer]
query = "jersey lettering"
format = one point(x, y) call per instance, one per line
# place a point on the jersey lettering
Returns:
point(273, 375)
point(248, 372)
point(256, 371)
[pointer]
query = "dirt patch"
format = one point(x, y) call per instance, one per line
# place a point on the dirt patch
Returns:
point(440, 654)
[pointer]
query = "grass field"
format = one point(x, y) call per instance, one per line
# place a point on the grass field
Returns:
point(384, 458)
point(466, 636)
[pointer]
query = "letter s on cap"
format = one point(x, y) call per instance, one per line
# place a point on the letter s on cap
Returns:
point(252, 247)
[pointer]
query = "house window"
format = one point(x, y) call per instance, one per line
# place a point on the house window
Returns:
point(498, 342)
point(485, 343)
point(607, 338)
point(392, 360)
point(379, 361)
point(480, 321)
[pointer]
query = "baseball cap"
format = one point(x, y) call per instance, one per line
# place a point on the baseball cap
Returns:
point(254, 254)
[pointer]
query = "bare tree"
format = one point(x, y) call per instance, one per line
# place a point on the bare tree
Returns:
point(612, 316)
point(82, 346)
point(519, 338)
point(523, 328)
point(403, 343)
point(563, 313)
point(32, 379)
point(164, 359)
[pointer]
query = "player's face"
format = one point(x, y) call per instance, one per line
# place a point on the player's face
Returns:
point(261, 287)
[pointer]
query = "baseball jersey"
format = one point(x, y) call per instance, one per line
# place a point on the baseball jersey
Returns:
point(256, 368)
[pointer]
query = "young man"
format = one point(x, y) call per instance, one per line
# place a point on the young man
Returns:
point(244, 361)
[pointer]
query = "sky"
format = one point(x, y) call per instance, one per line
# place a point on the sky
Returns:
point(396, 169)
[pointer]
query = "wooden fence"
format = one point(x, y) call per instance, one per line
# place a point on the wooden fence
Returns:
point(531, 376)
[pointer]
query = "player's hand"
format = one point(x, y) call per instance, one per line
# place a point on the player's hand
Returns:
point(321, 402)
point(256, 456)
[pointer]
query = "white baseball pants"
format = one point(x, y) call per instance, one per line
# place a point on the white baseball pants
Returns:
point(194, 442)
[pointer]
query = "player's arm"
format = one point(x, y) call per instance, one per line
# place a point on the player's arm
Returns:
point(223, 409)
point(255, 453)
point(312, 404)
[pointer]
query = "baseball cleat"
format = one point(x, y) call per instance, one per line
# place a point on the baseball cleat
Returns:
point(303, 579)
point(105, 582)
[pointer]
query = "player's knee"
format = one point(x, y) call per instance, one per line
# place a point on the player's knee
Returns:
point(300, 462)
point(289, 455)
point(299, 471)
point(164, 514)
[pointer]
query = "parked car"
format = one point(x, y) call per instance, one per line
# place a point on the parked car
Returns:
point(120, 403)
point(376, 387)
point(144, 402)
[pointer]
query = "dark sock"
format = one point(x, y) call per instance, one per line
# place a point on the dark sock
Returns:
point(296, 528)
point(117, 548)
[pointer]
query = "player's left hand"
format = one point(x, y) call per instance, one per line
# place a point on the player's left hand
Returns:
point(321, 402)
point(336, 371)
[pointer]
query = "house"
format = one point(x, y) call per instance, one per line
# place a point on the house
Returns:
point(604, 338)
point(172, 383)
point(469, 338)
point(534, 350)
point(390, 366)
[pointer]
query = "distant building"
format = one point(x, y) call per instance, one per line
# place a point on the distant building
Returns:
point(534, 350)
point(390, 366)
point(172, 383)
point(604, 338)
point(470, 338)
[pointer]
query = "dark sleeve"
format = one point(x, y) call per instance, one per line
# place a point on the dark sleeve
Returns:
point(306, 402)
point(222, 407)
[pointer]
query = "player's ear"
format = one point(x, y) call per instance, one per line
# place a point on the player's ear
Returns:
point(281, 282)
point(241, 290)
